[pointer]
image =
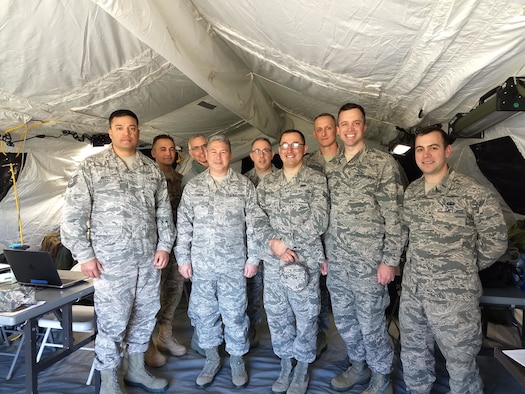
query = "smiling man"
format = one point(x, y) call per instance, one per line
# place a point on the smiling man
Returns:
point(363, 245)
point(171, 283)
point(117, 222)
point(217, 248)
point(456, 229)
point(295, 199)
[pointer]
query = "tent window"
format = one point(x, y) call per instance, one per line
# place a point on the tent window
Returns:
point(5, 171)
point(503, 165)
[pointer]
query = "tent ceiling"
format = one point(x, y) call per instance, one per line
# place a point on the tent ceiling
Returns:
point(264, 65)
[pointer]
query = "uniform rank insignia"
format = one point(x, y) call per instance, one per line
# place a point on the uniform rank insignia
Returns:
point(73, 181)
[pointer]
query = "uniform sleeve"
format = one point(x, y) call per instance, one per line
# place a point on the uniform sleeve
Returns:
point(76, 213)
point(165, 227)
point(184, 228)
point(254, 219)
point(491, 230)
point(389, 198)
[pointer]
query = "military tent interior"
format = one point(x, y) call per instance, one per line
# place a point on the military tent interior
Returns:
point(246, 69)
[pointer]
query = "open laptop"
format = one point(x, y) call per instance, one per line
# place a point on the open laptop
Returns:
point(36, 268)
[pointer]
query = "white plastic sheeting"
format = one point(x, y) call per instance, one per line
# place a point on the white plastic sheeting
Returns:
point(265, 65)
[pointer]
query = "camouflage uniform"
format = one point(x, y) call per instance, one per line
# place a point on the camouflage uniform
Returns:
point(216, 236)
point(195, 169)
point(130, 219)
point(364, 231)
point(317, 162)
point(171, 282)
point(298, 214)
point(456, 230)
point(254, 285)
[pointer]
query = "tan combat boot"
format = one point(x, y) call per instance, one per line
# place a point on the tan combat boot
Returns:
point(166, 343)
point(153, 358)
point(109, 383)
point(138, 376)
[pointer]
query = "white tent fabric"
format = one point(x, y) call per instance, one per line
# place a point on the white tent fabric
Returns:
point(265, 66)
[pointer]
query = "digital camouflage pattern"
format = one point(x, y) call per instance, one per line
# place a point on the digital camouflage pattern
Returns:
point(364, 231)
point(217, 236)
point(254, 178)
point(130, 219)
point(171, 281)
point(456, 230)
point(298, 214)
point(13, 296)
point(317, 162)
point(365, 227)
point(254, 285)
point(294, 276)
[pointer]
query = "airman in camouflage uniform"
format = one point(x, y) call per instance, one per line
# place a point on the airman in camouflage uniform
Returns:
point(261, 155)
point(323, 160)
point(217, 248)
point(295, 200)
point(171, 281)
point(121, 194)
point(363, 245)
point(456, 229)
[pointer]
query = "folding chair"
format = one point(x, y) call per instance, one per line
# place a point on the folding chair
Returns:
point(83, 321)
point(7, 337)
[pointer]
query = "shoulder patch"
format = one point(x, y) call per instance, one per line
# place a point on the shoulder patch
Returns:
point(73, 181)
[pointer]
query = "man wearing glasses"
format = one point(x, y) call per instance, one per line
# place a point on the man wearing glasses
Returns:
point(295, 200)
point(197, 150)
point(261, 155)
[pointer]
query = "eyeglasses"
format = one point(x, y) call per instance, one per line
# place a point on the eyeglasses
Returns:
point(263, 151)
point(293, 145)
point(194, 148)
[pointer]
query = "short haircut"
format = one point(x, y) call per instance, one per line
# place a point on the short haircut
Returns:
point(430, 129)
point(349, 106)
point(323, 115)
point(289, 131)
point(220, 138)
point(196, 136)
point(162, 137)
point(262, 139)
point(122, 112)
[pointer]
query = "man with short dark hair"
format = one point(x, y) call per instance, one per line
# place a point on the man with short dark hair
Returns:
point(456, 229)
point(171, 281)
point(295, 199)
point(118, 224)
point(363, 244)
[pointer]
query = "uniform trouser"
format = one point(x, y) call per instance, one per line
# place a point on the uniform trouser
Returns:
point(126, 302)
point(292, 316)
point(254, 291)
point(171, 287)
point(359, 315)
point(455, 325)
point(215, 296)
point(324, 315)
